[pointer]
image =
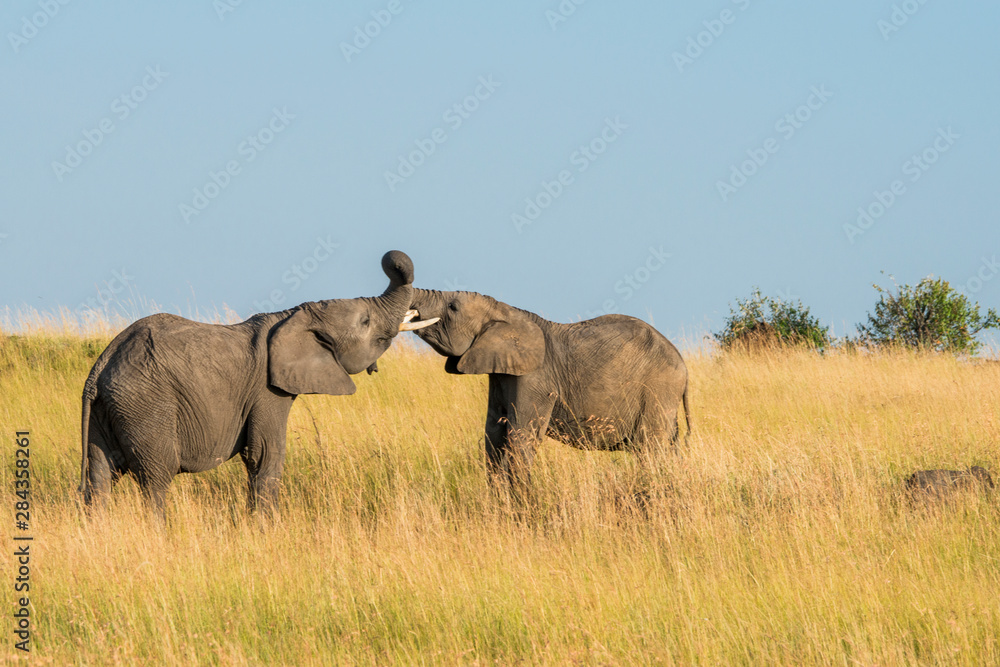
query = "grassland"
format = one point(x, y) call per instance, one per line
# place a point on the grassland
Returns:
point(781, 535)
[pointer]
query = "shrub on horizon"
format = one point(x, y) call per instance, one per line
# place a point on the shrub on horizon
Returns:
point(930, 315)
point(761, 322)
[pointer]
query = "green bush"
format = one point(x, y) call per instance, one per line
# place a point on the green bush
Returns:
point(761, 322)
point(927, 316)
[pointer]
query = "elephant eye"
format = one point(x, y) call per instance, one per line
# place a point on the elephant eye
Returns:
point(365, 322)
point(453, 306)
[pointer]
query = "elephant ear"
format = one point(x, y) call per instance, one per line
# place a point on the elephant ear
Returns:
point(512, 348)
point(299, 363)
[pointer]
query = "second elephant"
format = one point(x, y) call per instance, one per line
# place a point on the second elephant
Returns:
point(610, 383)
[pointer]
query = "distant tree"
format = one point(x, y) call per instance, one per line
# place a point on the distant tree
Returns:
point(928, 316)
point(762, 322)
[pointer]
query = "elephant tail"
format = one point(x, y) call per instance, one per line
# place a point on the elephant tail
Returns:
point(687, 413)
point(89, 394)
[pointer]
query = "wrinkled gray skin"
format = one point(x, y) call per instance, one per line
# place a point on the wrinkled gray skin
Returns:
point(938, 484)
point(609, 383)
point(170, 395)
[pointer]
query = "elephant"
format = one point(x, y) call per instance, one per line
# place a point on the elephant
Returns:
point(170, 395)
point(609, 383)
point(937, 484)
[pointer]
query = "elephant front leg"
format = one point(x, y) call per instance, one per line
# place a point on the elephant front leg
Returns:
point(263, 483)
point(515, 423)
point(264, 458)
point(522, 443)
point(262, 491)
point(495, 440)
point(510, 451)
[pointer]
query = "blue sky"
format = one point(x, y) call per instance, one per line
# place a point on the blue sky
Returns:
point(569, 159)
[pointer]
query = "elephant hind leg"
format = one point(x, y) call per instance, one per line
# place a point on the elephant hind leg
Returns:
point(150, 447)
point(657, 428)
point(101, 474)
point(154, 491)
point(104, 463)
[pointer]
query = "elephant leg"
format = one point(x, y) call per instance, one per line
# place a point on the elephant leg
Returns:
point(522, 443)
point(154, 491)
point(496, 438)
point(658, 428)
point(101, 473)
point(154, 475)
point(149, 444)
point(104, 460)
point(517, 418)
point(262, 490)
point(264, 458)
point(263, 482)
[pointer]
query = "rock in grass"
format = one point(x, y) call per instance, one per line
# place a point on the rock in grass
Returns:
point(937, 484)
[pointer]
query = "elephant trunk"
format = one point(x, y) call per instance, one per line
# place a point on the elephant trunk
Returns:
point(395, 300)
point(428, 303)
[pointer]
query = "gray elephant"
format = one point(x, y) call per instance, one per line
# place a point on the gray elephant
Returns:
point(938, 484)
point(610, 383)
point(170, 395)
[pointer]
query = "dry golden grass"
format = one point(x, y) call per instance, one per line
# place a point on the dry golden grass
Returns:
point(782, 535)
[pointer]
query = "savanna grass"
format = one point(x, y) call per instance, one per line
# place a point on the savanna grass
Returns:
point(780, 535)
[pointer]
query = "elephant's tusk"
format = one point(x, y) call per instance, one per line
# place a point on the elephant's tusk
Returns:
point(410, 314)
point(413, 326)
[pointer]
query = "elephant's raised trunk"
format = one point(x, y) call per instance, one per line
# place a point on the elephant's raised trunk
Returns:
point(395, 300)
point(399, 268)
point(397, 296)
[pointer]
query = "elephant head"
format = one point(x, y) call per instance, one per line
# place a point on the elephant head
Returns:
point(479, 334)
point(319, 344)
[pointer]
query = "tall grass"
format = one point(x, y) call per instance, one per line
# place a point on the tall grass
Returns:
point(780, 535)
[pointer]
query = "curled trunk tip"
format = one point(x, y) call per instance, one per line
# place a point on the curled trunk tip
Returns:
point(398, 267)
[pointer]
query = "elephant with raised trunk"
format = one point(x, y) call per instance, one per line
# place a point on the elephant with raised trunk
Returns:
point(610, 383)
point(170, 395)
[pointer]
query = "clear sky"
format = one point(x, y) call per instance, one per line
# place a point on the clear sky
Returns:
point(657, 159)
